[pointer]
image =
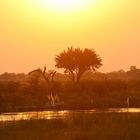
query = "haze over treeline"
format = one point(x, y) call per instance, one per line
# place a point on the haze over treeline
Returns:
point(132, 73)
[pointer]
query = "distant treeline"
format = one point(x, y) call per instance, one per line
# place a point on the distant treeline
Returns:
point(132, 74)
point(21, 92)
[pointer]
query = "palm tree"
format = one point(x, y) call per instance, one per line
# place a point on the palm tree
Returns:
point(77, 61)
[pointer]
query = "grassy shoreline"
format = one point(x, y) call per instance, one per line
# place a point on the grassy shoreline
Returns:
point(81, 127)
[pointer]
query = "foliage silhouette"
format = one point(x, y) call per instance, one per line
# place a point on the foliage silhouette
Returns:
point(49, 78)
point(77, 61)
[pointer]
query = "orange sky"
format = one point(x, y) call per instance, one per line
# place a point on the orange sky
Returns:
point(31, 34)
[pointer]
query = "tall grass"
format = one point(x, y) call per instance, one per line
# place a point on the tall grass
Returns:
point(81, 127)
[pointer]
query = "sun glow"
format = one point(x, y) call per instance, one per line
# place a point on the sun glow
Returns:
point(66, 4)
point(63, 5)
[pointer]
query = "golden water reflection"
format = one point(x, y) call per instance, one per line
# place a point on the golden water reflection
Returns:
point(60, 114)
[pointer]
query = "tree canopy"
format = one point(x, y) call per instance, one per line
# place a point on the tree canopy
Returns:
point(76, 61)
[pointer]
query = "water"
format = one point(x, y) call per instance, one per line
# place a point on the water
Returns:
point(59, 114)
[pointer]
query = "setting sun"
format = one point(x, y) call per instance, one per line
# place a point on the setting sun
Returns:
point(69, 69)
point(62, 5)
point(65, 4)
point(39, 29)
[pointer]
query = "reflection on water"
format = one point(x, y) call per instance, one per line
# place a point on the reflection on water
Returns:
point(60, 114)
point(33, 115)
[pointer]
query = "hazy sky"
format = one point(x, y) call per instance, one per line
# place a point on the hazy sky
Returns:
point(32, 32)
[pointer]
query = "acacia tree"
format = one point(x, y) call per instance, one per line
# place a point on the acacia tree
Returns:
point(77, 61)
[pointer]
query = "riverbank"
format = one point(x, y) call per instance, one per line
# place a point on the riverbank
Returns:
point(77, 127)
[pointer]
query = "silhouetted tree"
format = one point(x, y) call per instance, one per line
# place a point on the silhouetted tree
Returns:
point(133, 68)
point(49, 78)
point(77, 61)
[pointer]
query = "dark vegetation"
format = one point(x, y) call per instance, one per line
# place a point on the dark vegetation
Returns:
point(80, 87)
point(77, 61)
point(21, 92)
point(79, 127)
